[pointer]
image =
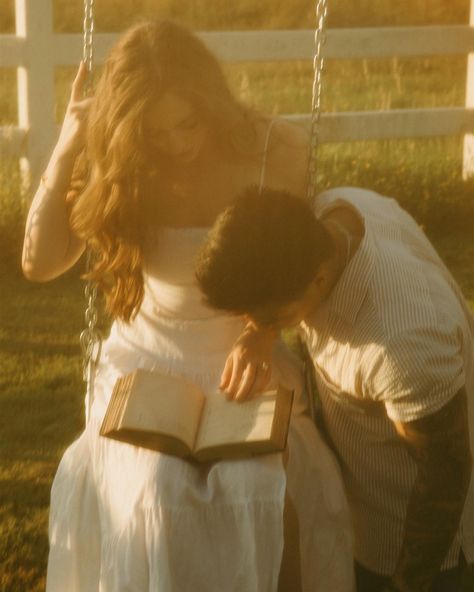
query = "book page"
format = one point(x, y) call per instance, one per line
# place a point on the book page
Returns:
point(164, 404)
point(228, 422)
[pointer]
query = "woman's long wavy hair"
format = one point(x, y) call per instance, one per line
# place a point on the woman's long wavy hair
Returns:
point(112, 212)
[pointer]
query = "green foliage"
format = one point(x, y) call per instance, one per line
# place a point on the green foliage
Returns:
point(115, 15)
point(424, 175)
point(265, 14)
point(8, 111)
point(7, 16)
point(40, 404)
point(12, 215)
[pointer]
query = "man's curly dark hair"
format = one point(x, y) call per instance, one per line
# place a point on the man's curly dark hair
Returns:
point(264, 249)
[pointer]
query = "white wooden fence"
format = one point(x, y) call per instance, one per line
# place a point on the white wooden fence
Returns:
point(35, 51)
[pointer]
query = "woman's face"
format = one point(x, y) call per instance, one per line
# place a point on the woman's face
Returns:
point(175, 128)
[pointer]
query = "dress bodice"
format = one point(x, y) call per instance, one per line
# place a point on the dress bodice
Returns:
point(170, 286)
point(174, 330)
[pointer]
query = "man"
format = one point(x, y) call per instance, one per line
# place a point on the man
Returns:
point(392, 343)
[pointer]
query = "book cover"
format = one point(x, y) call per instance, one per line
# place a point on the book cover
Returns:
point(171, 415)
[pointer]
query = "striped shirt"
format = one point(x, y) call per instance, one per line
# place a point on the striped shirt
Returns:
point(394, 341)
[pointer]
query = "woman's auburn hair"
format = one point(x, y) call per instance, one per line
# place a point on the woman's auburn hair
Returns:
point(112, 213)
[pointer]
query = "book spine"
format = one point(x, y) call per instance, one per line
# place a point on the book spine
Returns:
point(282, 417)
point(123, 396)
point(117, 404)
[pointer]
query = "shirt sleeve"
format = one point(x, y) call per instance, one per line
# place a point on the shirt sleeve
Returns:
point(418, 373)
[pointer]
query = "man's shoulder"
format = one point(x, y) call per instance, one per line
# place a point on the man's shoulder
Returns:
point(405, 291)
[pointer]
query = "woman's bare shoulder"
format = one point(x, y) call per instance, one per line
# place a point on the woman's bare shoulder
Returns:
point(288, 156)
point(292, 133)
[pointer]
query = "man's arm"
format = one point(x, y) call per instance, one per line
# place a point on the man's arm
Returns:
point(440, 445)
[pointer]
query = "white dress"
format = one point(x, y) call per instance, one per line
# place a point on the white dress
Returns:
point(124, 518)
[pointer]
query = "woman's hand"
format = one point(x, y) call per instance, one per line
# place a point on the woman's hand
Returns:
point(247, 370)
point(72, 135)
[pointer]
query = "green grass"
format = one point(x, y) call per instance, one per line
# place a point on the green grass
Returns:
point(40, 411)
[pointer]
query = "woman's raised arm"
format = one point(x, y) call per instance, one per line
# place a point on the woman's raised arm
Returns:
point(50, 248)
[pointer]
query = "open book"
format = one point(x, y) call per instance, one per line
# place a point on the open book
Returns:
point(171, 415)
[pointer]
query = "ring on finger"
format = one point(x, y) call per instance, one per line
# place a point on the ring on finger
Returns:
point(264, 366)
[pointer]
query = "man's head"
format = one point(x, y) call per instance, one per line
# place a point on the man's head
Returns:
point(265, 257)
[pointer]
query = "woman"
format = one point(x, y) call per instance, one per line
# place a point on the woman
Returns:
point(169, 147)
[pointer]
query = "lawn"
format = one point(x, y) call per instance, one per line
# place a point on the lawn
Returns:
point(40, 405)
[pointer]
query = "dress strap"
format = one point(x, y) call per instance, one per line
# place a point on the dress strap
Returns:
point(264, 158)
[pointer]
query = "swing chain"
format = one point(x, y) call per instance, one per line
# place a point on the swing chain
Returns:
point(90, 338)
point(87, 47)
point(318, 67)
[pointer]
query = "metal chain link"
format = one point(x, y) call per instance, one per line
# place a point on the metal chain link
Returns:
point(318, 67)
point(90, 338)
point(88, 39)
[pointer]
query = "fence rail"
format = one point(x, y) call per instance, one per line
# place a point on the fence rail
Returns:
point(35, 51)
point(241, 46)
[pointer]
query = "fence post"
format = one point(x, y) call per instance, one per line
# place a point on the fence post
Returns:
point(35, 85)
point(468, 158)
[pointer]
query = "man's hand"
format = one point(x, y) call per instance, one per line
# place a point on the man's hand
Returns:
point(247, 370)
point(440, 445)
